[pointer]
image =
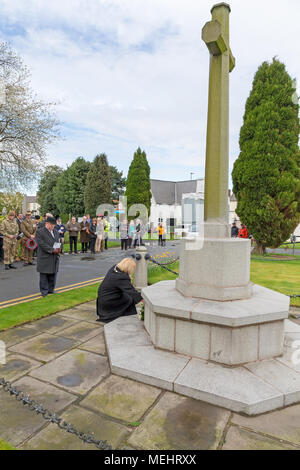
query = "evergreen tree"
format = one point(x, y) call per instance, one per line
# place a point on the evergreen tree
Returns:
point(138, 186)
point(69, 190)
point(117, 182)
point(266, 175)
point(47, 188)
point(98, 185)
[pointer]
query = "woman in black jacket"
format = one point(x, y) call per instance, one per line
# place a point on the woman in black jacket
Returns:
point(116, 295)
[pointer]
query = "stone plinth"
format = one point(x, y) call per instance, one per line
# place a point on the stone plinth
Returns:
point(230, 333)
point(218, 270)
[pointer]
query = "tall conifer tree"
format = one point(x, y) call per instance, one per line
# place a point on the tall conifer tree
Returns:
point(98, 185)
point(266, 175)
point(138, 186)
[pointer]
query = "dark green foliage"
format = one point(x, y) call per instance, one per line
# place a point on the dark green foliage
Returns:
point(98, 185)
point(118, 182)
point(138, 186)
point(47, 188)
point(69, 191)
point(266, 176)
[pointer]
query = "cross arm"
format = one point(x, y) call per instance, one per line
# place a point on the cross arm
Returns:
point(216, 44)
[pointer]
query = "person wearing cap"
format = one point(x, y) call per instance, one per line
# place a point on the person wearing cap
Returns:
point(234, 230)
point(10, 231)
point(28, 228)
point(48, 256)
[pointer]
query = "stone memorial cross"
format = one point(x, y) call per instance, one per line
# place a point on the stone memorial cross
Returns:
point(216, 36)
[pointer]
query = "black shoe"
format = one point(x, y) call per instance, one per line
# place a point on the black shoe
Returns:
point(31, 264)
point(11, 266)
point(26, 264)
point(44, 295)
point(6, 267)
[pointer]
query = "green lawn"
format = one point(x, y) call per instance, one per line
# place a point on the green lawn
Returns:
point(290, 246)
point(26, 312)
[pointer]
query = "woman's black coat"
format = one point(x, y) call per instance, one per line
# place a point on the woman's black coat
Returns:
point(116, 296)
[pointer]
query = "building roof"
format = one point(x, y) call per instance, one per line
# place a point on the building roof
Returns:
point(170, 192)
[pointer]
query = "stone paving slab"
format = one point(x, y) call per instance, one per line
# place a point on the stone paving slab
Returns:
point(88, 306)
point(76, 371)
point(282, 424)
point(280, 377)
point(16, 366)
point(17, 422)
point(122, 398)
point(17, 335)
point(80, 314)
point(52, 324)
point(82, 331)
point(53, 438)
point(233, 388)
point(241, 439)
point(131, 354)
point(96, 345)
point(47, 395)
point(45, 347)
point(180, 423)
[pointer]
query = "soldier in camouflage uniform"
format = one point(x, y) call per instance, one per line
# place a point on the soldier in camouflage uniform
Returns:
point(10, 231)
point(28, 228)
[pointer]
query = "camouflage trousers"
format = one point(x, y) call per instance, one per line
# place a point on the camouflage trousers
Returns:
point(28, 254)
point(9, 248)
point(19, 244)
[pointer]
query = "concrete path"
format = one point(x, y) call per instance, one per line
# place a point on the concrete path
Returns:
point(61, 362)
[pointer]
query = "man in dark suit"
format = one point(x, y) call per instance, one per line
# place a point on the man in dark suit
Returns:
point(47, 256)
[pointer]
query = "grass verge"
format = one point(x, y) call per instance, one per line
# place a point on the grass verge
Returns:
point(30, 311)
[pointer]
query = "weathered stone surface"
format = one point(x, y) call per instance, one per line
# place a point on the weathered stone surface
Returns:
point(233, 388)
point(81, 313)
point(282, 424)
point(240, 439)
point(179, 423)
point(17, 335)
point(16, 366)
point(280, 377)
point(52, 324)
point(17, 422)
point(88, 306)
point(47, 395)
point(122, 398)
point(44, 347)
point(53, 438)
point(131, 354)
point(96, 345)
point(234, 346)
point(82, 331)
point(77, 371)
point(271, 339)
point(192, 338)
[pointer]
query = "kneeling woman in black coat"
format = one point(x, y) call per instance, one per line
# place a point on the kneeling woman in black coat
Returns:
point(116, 295)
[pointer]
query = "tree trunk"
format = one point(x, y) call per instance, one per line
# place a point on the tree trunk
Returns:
point(259, 249)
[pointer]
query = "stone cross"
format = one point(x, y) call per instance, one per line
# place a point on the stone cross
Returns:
point(216, 36)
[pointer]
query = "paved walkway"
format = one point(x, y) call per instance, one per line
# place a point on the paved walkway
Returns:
point(61, 362)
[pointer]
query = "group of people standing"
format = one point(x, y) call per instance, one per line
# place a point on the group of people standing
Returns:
point(92, 233)
point(131, 234)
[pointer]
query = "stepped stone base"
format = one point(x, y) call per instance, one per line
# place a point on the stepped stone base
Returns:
point(254, 388)
point(231, 333)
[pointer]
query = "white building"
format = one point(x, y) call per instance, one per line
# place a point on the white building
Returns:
point(171, 201)
point(31, 204)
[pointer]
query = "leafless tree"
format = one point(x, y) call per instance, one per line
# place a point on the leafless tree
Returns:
point(27, 124)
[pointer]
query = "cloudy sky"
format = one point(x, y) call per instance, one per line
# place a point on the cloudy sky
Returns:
point(131, 73)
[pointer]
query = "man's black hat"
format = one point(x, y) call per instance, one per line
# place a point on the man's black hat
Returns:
point(51, 220)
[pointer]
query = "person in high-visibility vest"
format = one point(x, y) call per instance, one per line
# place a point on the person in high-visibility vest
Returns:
point(106, 230)
point(161, 231)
